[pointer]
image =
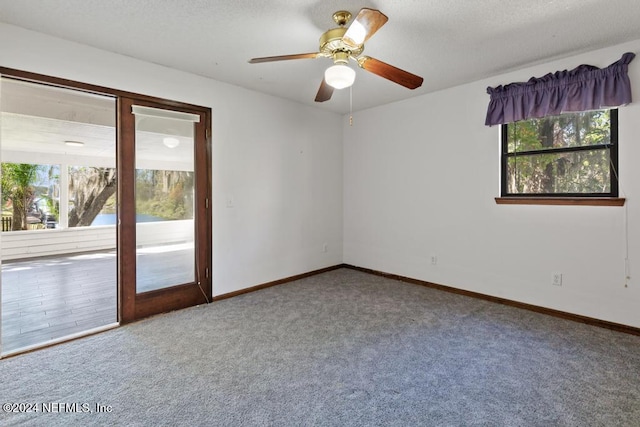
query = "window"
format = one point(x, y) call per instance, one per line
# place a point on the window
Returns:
point(30, 196)
point(570, 155)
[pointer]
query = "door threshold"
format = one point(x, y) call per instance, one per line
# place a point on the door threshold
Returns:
point(57, 341)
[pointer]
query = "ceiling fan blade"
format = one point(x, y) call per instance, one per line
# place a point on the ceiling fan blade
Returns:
point(284, 57)
point(324, 92)
point(390, 72)
point(364, 26)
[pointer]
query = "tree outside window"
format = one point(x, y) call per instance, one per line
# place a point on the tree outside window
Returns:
point(29, 196)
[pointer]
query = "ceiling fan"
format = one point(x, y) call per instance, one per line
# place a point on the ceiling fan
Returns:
point(344, 43)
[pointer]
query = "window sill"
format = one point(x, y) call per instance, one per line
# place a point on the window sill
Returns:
point(562, 201)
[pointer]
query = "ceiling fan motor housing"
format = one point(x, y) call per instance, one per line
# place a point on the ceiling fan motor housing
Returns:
point(331, 43)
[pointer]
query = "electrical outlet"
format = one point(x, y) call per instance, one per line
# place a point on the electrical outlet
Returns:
point(556, 279)
point(434, 260)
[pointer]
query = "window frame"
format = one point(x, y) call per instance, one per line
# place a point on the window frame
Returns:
point(611, 198)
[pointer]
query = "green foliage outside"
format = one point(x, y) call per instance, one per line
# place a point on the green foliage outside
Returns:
point(21, 187)
point(164, 194)
point(545, 172)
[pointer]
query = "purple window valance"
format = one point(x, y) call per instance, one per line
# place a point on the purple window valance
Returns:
point(584, 88)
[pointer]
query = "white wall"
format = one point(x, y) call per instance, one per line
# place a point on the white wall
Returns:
point(420, 177)
point(279, 162)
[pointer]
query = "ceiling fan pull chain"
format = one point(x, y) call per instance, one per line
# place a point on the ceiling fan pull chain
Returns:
point(350, 105)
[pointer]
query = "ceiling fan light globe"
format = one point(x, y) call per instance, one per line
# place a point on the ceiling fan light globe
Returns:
point(340, 76)
point(74, 143)
point(171, 142)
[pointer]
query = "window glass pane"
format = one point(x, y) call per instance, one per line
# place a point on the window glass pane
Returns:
point(92, 196)
point(579, 172)
point(163, 195)
point(30, 196)
point(568, 130)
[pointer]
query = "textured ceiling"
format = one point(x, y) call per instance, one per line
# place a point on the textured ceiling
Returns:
point(448, 42)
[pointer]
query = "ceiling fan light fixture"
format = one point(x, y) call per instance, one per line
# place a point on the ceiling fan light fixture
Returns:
point(170, 142)
point(340, 76)
point(74, 143)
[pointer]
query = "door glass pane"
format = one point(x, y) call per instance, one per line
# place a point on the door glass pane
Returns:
point(165, 250)
point(58, 278)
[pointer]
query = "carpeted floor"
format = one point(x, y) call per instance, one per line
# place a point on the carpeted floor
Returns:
point(343, 348)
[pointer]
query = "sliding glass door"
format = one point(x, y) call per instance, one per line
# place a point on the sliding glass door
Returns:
point(105, 208)
point(58, 198)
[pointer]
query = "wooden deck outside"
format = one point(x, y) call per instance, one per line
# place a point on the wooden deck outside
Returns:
point(49, 298)
point(45, 299)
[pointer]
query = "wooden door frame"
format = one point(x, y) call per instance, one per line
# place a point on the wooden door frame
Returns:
point(132, 305)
